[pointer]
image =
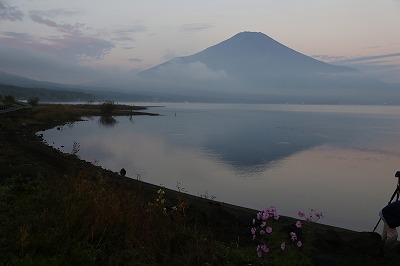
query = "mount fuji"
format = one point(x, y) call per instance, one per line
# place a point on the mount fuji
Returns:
point(252, 66)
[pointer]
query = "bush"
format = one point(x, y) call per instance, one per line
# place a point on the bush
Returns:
point(33, 101)
point(107, 107)
point(9, 98)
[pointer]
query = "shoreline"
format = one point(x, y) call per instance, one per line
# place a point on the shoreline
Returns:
point(25, 154)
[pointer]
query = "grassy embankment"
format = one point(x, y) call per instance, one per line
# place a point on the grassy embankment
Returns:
point(56, 209)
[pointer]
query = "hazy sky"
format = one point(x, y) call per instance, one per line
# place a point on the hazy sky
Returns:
point(76, 40)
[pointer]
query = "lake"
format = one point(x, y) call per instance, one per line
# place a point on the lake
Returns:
point(339, 160)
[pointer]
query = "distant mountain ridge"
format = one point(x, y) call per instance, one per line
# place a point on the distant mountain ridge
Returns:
point(22, 88)
point(15, 80)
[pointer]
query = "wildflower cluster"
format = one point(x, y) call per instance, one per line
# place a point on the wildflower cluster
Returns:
point(161, 204)
point(275, 242)
point(262, 227)
point(159, 201)
point(312, 216)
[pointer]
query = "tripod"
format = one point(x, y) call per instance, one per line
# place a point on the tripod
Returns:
point(396, 194)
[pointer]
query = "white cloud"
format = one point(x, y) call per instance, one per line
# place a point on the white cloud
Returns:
point(385, 66)
point(367, 58)
point(41, 65)
point(329, 58)
point(195, 26)
point(193, 71)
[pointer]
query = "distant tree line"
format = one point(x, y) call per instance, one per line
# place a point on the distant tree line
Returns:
point(9, 100)
point(47, 95)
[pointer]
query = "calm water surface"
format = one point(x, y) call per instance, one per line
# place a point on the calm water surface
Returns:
point(339, 160)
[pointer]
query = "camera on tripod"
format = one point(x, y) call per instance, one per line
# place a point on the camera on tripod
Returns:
point(396, 194)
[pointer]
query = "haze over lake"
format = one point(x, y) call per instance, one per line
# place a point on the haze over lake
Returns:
point(336, 159)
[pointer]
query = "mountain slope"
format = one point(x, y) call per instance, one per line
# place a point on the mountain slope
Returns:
point(261, 54)
point(252, 58)
point(252, 67)
point(15, 80)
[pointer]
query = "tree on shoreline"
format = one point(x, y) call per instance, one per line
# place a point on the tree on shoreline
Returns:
point(107, 107)
point(33, 101)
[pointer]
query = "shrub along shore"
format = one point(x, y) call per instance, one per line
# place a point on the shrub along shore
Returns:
point(56, 209)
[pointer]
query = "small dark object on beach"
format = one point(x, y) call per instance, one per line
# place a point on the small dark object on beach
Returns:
point(122, 172)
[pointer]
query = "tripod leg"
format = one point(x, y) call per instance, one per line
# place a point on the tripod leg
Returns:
point(380, 219)
point(396, 194)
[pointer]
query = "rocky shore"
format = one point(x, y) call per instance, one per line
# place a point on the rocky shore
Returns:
point(23, 154)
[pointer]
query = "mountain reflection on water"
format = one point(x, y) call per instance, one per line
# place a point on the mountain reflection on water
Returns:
point(332, 158)
point(263, 138)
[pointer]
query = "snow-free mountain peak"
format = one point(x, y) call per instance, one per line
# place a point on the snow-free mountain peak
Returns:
point(250, 57)
point(251, 66)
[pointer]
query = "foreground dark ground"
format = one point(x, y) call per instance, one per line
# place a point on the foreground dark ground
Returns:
point(56, 209)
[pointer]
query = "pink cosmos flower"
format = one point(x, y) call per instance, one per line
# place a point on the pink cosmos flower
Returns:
point(263, 224)
point(265, 248)
point(293, 236)
point(268, 230)
point(283, 246)
point(300, 214)
point(253, 231)
point(299, 244)
point(298, 224)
